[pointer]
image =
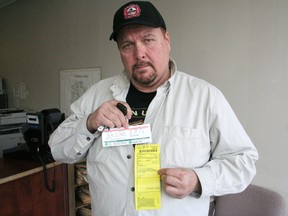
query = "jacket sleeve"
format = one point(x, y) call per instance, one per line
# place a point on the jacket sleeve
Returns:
point(231, 167)
point(71, 141)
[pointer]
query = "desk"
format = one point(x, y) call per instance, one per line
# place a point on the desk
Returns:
point(23, 191)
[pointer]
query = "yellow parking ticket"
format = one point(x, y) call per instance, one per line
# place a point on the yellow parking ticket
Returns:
point(147, 180)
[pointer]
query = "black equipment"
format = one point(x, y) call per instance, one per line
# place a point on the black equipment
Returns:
point(36, 131)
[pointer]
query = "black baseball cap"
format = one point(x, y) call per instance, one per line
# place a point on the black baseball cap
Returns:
point(136, 12)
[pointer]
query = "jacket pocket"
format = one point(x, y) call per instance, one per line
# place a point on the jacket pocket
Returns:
point(184, 147)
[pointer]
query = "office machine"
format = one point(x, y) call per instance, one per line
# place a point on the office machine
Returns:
point(9, 117)
point(3, 95)
point(36, 131)
point(39, 126)
point(11, 122)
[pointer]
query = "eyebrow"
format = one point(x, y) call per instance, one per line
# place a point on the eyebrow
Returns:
point(146, 35)
point(149, 35)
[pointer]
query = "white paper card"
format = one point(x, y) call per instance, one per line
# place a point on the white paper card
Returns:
point(139, 134)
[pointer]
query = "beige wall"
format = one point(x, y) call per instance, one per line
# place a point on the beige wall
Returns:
point(240, 46)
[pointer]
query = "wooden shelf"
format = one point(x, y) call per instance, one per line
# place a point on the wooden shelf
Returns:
point(74, 202)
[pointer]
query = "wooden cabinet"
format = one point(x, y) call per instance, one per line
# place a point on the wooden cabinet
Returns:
point(23, 191)
point(79, 198)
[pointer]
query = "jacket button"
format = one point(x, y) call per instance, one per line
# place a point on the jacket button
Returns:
point(129, 156)
point(88, 138)
point(132, 189)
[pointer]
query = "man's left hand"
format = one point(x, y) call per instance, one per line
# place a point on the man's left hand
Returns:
point(179, 182)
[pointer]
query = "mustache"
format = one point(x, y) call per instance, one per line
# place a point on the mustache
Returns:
point(142, 64)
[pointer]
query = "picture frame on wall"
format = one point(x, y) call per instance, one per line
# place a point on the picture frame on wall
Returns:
point(73, 83)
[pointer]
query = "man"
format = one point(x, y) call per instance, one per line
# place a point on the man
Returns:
point(204, 149)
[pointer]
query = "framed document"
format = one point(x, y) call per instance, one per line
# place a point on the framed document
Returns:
point(73, 83)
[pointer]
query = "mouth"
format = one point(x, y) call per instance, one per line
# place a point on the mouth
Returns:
point(141, 65)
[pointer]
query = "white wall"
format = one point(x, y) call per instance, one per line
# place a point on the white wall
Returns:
point(240, 46)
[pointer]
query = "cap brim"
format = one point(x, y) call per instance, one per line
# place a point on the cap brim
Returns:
point(136, 22)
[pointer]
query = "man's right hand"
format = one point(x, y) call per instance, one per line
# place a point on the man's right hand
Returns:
point(109, 115)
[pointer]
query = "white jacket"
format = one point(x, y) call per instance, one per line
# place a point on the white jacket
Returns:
point(193, 123)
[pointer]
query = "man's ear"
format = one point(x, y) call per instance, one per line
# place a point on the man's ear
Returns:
point(167, 38)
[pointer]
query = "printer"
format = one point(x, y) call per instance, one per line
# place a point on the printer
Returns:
point(35, 132)
point(11, 123)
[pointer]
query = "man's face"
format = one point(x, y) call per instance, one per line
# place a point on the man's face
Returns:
point(145, 55)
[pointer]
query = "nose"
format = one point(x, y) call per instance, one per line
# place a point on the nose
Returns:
point(140, 52)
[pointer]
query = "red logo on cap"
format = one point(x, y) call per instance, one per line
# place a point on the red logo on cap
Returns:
point(132, 11)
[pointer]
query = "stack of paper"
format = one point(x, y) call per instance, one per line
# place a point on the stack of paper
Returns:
point(84, 211)
point(81, 174)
